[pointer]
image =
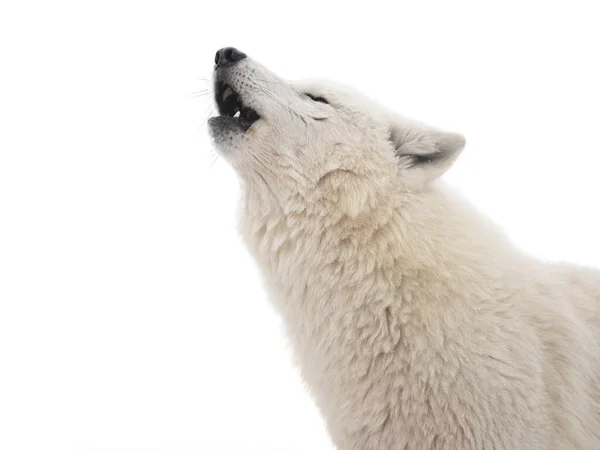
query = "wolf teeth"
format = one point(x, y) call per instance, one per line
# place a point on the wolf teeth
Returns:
point(227, 93)
point(229, 104)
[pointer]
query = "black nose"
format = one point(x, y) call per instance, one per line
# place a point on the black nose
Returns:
point(228, 56)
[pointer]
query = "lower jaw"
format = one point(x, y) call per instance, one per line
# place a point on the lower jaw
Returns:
point(229, 123)
point(221, 125)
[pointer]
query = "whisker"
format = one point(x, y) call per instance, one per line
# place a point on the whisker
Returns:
point(214, 159)
point(275, 99)
point(264, 90)
point(269, 81)
point(210, 111)
point(199, 94)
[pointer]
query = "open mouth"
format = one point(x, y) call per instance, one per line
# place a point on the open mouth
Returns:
point(230, 104)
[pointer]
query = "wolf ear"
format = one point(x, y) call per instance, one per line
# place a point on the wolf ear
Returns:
point(424, 152)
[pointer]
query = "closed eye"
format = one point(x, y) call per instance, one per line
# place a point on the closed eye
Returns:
point(317, 99)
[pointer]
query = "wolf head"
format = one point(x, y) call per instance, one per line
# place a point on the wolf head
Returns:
point(317, 142)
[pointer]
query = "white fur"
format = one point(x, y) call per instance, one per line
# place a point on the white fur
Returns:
point(413, 320)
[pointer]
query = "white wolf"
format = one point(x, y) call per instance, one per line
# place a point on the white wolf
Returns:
point(413, 320)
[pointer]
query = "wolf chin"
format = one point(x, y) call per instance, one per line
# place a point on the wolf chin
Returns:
point(413, 320)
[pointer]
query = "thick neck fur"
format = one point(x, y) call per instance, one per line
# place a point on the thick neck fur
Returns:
point(320, 266)
point(434, 233)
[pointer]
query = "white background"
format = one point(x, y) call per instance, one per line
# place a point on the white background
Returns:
point(130, 315)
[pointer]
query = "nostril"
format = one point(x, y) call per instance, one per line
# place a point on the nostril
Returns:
point(228, 56)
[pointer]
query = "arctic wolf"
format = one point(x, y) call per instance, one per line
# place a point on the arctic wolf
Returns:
point(413, 320)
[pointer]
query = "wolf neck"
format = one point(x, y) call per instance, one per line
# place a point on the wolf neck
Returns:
point(306, 258)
